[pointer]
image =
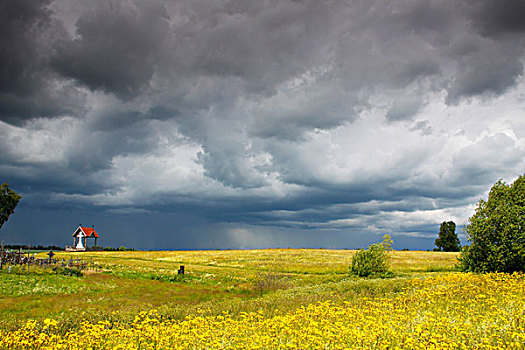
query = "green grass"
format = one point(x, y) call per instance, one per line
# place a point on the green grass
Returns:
point(14, 285)
point(215, 281)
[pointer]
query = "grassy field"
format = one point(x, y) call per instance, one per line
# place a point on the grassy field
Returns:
point(265, 284)
point(235, 280)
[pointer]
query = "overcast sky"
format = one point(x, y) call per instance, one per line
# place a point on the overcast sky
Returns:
point(238, 124)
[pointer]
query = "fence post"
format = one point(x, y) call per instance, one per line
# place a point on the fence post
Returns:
point(2, 257)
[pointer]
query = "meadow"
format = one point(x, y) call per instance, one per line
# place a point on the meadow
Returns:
point(260, 299)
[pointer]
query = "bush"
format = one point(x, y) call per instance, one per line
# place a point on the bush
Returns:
point(69, 271)
point(496, 231)
point(374, 260)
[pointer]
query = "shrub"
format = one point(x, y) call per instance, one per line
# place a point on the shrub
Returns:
point(374, 260)
point(496, 231)
point(69, 271)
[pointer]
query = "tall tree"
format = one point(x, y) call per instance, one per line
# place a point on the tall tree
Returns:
point(8, 201)
point(497, 230)
point(448, 240)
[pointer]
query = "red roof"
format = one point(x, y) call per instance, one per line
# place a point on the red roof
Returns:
point(88, 231)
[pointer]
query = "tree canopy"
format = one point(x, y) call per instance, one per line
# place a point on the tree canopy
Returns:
point(8, 201)
point(497, 230)
point(448, 240)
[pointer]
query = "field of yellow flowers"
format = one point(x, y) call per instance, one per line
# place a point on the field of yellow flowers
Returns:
point(220, 280)
point(443, 311)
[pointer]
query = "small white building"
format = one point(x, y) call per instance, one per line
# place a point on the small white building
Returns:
point(80, 239)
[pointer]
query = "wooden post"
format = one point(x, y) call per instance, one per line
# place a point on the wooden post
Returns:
point(2, 256)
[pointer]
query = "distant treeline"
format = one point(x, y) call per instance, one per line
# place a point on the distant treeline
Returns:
point(121, 249)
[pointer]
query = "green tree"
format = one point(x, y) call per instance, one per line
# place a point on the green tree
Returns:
point(8, 201)
point(496, 231)
point(374, 260)
point(448, 240)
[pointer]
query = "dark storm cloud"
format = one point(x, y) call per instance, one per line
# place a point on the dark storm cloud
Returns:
point(491, 62)
point(263, 44)
point(28, 87)
point(21, 24)
point(117, 47)
point(495, 18)
point(300, 115)
point(487, 66)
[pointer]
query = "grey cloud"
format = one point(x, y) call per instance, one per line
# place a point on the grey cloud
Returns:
point(379, 46)
point(483, 69)
point(76, 158)
point(424, 17)
point(95, 148)
point(43, 102)
point(22, 23)
point(490, 58)
point(485, 161)
point(28, 87)
point(117, 47)
point(413, 50)
point(227, 165)
point(254, 86)
point(262, 45)
point(365, 45)
point(404, 108)
point(123, 48)
point(288, 117)
point(499, 17)
point(423, 127)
